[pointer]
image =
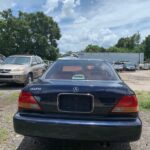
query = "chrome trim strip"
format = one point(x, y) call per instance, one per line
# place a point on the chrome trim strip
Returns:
point(83, 94)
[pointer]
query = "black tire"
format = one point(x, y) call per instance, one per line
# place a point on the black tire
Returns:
point(29, 79)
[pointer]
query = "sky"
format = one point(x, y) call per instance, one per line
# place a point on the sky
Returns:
point(84, 22)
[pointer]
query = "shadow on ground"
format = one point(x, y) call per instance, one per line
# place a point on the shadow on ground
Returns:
point(32, 144)
point(11, 86)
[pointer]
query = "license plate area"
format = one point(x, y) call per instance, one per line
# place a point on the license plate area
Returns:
point(75, 103)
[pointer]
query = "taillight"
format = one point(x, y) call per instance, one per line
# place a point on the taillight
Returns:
point(127, 104)
point(27, 101)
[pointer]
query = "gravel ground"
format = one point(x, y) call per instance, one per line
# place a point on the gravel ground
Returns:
point(138, 80)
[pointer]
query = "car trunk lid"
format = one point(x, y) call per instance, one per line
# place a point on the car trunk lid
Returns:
point(76, 97)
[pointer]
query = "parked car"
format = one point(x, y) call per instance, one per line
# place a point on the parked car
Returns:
point(118, 66)
point(21, 69)
point(79, 99)
point(144, 66)
point(129, 67)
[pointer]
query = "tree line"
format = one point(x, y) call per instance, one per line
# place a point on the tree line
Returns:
point(125, 44)
point(37, 33)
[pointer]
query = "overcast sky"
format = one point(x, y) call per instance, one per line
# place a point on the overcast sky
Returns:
point(84, 22)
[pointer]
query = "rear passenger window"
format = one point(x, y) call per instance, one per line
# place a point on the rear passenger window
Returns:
point(34, 60)
point(40, 60)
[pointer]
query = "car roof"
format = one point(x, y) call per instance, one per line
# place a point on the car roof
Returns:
point(75, 58)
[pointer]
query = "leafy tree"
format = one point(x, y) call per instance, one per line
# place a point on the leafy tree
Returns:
point(124, 44)
point(136, 38)
point(33, 33)
point(146, 45)
point(94, 48)
point(116, 49)
point(129, 43)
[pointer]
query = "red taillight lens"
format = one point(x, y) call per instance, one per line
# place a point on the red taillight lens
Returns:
point(127, 104)
point(27, 101)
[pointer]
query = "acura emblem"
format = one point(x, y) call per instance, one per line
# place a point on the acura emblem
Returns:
point(75, 89)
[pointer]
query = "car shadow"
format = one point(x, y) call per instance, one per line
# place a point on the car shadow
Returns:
point(10, 86)
point(33, 144)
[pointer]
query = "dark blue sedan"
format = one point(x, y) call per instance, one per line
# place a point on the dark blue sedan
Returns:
point(79, 99)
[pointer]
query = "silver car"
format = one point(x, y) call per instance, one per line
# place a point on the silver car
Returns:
point(118, 66)
point(21, 69)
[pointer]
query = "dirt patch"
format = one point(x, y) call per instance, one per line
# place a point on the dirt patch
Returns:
point(138, 80)
point(7, 98)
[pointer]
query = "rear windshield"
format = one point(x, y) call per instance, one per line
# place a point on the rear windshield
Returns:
point(17, 60)
point(81, 70)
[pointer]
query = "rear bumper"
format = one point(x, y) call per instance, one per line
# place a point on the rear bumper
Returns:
point(112, 131)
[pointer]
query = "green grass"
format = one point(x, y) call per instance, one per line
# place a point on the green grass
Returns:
point(9, 98)
point(144, 100)
point(3, 135)
point(13, 97)
point(1, 93)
